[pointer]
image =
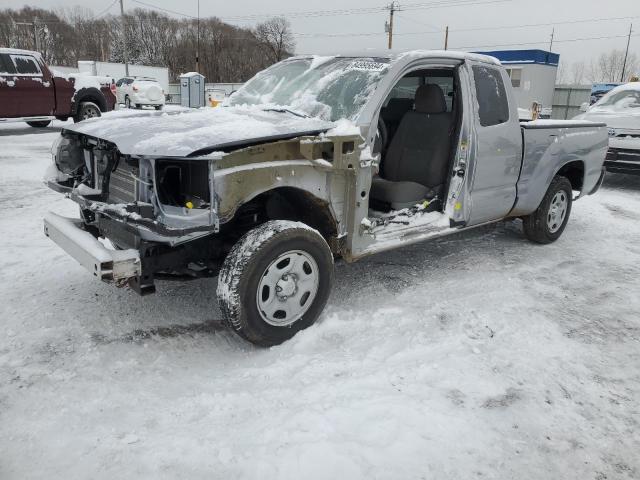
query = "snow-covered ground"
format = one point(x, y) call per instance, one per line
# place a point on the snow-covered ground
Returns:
point(474, 356)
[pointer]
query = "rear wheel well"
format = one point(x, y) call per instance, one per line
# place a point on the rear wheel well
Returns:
point(574, 172)
point(90, 95)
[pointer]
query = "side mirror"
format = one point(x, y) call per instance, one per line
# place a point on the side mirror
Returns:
point(584, 107)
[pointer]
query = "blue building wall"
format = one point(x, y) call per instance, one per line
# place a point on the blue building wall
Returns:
point(540, 57)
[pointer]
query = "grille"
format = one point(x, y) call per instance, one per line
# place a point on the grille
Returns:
point(122, 184)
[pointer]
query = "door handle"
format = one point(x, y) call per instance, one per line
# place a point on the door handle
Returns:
point(460, 171)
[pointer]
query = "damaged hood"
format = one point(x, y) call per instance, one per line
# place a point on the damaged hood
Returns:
point(182, 133)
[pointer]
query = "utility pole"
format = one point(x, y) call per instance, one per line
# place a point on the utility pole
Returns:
point(35, 34)
point(553, 30)
point(34, 24)
point(446, 38)
point(198, 41)
point(392, 8)
point(124, 40)
point(626, 53)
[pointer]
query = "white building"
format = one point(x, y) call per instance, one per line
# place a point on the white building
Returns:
point(533, 76)
point(117, 71)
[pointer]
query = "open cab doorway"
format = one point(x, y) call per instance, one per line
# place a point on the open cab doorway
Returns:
point(419, 177)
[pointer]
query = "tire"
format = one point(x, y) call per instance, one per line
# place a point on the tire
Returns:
point(261, 268)
point(127, 102)
point(158, 107)
point(138, 106)
point(87, 110)
point(547, 223)
point(39, 124)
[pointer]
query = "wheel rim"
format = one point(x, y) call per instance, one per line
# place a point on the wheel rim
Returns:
point(90, 112)
point(287, 288)
point(557, 211)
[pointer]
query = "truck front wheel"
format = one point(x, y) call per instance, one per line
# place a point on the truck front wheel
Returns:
point(547, 223)
point(275, 282)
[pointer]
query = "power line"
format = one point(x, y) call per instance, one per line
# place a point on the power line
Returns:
point(545, 24)
point(472, 29)
point(95, 17)
point(418, 22)
point(336, 12)
point(542, 42)
point(166, 10)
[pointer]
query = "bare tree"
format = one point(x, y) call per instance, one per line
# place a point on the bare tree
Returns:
point(561, 73)
point(227, 53)
point(577, 73)
point(608, 67)
point(276, 38)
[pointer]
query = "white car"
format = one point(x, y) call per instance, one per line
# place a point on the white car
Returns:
point(620, 110)
point(140, 91)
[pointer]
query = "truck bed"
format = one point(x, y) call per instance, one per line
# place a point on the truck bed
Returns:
point(549, 144)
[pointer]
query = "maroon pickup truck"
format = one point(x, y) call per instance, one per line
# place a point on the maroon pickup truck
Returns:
point(30, 92)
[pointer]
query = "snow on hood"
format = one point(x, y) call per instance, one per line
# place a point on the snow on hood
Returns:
point(623, 114)
point(184, 132)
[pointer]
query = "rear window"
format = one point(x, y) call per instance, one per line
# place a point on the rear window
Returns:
point(26, 65)
point(493, 106)
point(6, 65)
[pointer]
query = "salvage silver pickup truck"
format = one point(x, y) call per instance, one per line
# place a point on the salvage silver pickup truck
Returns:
point(314, 159)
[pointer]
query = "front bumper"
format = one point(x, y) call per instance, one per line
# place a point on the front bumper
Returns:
point(107, 265)
point(620, 160)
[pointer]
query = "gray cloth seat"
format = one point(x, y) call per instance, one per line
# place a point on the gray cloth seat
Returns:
point(415, 165)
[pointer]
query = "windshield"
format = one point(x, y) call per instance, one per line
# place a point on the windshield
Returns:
point(330, 88)
point(620, 101)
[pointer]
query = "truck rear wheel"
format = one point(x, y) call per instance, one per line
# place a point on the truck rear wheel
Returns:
point(40, 124)
point(87, 110)
point(275, 282)
point(547, 223)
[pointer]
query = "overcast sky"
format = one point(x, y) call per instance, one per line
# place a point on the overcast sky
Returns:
point(489, 19)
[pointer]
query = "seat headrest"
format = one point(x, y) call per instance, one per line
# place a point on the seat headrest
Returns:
point(430, 99)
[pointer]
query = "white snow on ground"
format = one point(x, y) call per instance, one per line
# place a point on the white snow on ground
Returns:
point(474, 356)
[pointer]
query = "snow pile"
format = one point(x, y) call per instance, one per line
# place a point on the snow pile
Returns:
point(343, 127)
point(190, 74)
point(81, 81)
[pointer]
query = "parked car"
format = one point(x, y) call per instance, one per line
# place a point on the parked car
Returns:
point(313, 159)
point(140, 91)
point(620, 110)
point(30, 92)
point(599, 90)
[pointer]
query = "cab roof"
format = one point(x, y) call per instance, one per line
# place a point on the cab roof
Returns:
point(395, 55)
point(18, 51)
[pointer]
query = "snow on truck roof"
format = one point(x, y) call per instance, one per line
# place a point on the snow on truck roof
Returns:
point(394, 55)
point(18, 51)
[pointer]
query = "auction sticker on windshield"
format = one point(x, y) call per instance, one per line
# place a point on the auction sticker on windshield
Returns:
point(367, 66)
